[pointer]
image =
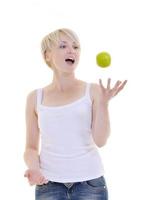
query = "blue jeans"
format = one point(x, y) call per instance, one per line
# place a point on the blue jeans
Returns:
point(95, 189)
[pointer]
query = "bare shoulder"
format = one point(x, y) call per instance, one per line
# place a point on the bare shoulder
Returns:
point(31, 100)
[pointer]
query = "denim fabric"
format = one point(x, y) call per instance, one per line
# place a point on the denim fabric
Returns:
point(95, 189)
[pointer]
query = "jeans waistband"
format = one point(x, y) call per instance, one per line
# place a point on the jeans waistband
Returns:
point(68, 184)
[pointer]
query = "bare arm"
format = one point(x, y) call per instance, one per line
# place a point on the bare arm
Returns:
point(31, 156)
point(101, 121)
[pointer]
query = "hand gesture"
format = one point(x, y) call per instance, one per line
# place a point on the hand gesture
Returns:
point(35, 177)
point(108, 93)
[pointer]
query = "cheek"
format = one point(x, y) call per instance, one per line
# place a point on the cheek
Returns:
point(78, 57)
point(78, 54)
point(58, 58)
point(59, 54)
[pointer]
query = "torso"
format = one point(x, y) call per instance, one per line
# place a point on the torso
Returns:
point(53, 98)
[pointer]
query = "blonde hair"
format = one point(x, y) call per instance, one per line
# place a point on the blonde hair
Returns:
point(52, 38)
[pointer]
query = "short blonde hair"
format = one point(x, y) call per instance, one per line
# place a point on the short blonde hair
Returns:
point(53, 37)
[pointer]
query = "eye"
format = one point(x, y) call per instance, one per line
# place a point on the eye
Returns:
point(62, 46)
point(76, 47)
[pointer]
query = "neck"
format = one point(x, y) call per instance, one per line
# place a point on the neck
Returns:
point(63, 82)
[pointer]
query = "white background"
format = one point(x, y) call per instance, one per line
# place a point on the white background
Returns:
point(110, 25)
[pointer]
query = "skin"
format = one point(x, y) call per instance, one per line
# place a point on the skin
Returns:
point(65, 85)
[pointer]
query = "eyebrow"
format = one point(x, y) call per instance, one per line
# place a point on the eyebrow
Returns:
point(66, 42)
point(63, 41)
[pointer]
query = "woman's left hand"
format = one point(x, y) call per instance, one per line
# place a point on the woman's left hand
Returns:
point(108, 93)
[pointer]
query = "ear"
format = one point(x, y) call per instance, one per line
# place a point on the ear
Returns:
point(47, 55)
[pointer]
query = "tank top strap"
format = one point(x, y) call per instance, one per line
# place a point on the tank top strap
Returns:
point(87, 93)
point(88, 90)
point(38, 97)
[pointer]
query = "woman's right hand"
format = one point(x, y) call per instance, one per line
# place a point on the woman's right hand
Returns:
point(35, 177)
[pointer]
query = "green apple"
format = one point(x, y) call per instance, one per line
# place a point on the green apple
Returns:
point(103, 59)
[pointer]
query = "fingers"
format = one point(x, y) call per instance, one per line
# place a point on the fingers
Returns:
point(108, 83)
point(115, 90)
point(100, 83)
point(124, 82)
point(42, 180)
point(121, 87)
point(116, 85)
point(37, 181)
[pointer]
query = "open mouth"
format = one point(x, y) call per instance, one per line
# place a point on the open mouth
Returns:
point(70, 60)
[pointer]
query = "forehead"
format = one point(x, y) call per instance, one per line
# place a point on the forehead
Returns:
point(66, 38)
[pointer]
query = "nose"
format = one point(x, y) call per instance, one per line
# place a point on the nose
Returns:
point(71, 49)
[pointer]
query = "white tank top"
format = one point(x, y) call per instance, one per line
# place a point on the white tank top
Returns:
point(68, 152)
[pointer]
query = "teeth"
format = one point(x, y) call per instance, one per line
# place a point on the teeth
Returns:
point(70, 59)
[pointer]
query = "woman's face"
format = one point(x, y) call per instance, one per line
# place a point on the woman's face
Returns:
point(65, 54)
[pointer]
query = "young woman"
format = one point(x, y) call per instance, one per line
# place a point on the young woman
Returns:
point(71, 117)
